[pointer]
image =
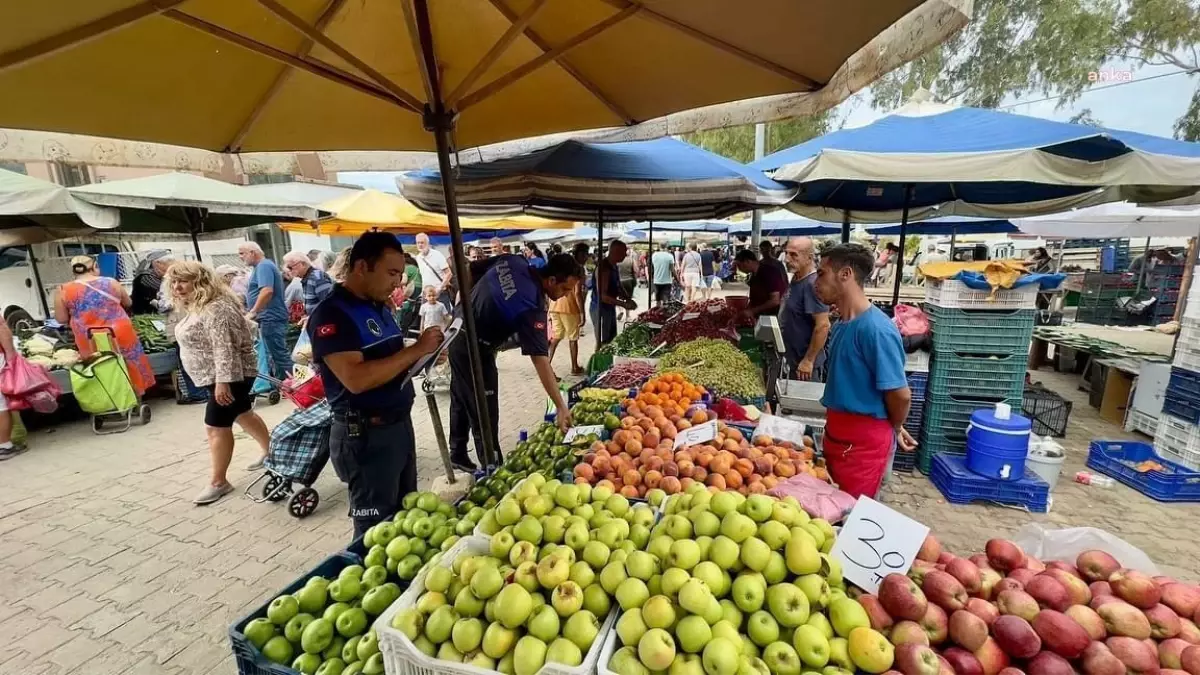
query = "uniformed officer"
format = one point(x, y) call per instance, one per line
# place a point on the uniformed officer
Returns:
point(359, 351)
point(508, 297)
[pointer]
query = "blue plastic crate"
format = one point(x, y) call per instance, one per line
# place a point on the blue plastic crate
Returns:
point(904, 461)
point(1185, 382)
point(1116, 459)
point(250, 661)
point(1187, 409)
point(959, 485)
point(918, 383)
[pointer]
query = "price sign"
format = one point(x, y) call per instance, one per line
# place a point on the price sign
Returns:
point(875, 542)
point(701, 433)
point(634, 359)
point(780, 428)
point(689, 316)
point(575, 432)
point(158, 325)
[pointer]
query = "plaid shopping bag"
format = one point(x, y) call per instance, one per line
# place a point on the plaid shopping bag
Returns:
point(300, 443)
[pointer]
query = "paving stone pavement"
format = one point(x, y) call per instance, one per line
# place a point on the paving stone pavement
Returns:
point(107, 568)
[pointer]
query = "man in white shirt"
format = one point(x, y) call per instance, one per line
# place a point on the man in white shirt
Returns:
point(435, 270)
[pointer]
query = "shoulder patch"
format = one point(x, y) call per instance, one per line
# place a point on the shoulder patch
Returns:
point(326, 330)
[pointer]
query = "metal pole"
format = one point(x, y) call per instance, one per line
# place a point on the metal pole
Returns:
point(908, 190)
point(846, 226)
point(438, 120)
point(760, 149)
point(953, 237)
point(194, 219)
point(596, 275)
point(650, 267)
point(1145, 266)
point(435, 416)
point(37, 279)
point(196, 245)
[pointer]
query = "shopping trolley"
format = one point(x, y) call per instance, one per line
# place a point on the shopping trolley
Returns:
point(299, 452)
point(102, 386)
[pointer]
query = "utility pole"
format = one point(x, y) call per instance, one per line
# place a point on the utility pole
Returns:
point(760, 149)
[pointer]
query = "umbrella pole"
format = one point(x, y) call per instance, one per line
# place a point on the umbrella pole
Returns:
point(650, 267)
point(846, 226)
point(193, 222)
point(908, 190)
point(37, 279)
point(439, 121)
point(596, 275)
point(953, 237)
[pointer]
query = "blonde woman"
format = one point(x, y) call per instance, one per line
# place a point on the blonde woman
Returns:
point(217, 351)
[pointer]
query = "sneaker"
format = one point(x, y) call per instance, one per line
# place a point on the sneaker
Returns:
point(464, 465)
point(212, 493)
point(256, 465)
point(10, 452)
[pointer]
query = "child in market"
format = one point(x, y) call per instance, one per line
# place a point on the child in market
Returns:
point(433, 313)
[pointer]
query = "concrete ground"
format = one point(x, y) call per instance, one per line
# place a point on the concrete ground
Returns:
point(107, 568)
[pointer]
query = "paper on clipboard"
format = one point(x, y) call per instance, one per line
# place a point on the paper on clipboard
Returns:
point(780, 428)
point(429, 359)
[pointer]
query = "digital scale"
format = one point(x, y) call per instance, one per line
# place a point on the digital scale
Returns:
point(766, 330)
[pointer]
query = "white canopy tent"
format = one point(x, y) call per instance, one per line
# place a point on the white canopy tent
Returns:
point(1116, 220)
point(34, 210)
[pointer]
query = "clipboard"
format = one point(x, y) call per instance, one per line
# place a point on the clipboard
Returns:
point(426, 362)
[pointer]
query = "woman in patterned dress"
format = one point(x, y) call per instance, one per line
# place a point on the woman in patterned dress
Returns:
point(217, 351)
point(92, 301)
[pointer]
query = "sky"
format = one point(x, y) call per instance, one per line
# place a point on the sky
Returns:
point(1138, 103)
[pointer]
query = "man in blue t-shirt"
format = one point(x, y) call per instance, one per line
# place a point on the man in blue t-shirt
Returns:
point(866, 391)
point(264, 300)
point(508, 300)
point(803, 319)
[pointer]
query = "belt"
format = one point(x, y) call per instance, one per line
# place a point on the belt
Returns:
point(371, 418)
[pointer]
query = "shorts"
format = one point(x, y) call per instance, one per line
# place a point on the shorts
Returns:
point(708, 280)
point(223, 416)
point(691, 280)
point(3, 401)
point(566, 326)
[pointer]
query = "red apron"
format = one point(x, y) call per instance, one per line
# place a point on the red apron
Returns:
point(856, 450)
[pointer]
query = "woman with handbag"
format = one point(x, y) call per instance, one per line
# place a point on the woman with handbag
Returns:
point(91, 301)
point(217, 351)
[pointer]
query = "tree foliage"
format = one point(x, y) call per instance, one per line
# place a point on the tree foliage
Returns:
point(737, 143)
point(1055, 48)
point(1086, 117)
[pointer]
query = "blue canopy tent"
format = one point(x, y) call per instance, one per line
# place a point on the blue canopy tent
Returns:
point(657, 180)
point(929, 159)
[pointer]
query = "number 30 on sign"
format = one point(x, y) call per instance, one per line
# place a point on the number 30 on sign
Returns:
point(876, 541)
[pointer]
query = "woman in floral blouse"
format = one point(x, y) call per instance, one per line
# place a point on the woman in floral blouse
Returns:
point(217, 351)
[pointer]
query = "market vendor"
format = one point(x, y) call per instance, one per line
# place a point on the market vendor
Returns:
point(608, 294)
point(508, 300)
point(803, 319)
point(866, 391)
point(360, 355)
point(767, 284)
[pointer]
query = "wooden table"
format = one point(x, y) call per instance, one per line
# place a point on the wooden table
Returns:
point(1100, 341)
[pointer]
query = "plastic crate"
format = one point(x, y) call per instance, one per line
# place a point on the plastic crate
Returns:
point(959, 485)
point(904, 461)
point(954, 293)
point(250, 661)
point(933, 444)
point(982, 331)
point(1141, 422)
point(1179, 439)
point(598, 364)
point(1118, 459)
point(1184, 408)
point(916, 362)
point(1048, 411)
point(959, 374)
point(952, 414)
point(401, 656)
point(918, 384)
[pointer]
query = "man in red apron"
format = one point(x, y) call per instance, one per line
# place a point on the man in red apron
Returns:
point(866, 390)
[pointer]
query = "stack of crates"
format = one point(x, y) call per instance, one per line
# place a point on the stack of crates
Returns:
point(980, 352)
point(1116, 259)
point(1098, 299)
point(1178, 435)
point(1164, 283)
point(918, 380)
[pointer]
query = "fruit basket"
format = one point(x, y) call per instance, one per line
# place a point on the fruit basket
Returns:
point(250, 659)
point(401, 656)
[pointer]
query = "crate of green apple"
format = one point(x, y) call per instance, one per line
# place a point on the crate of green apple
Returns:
point(736, 585)
point(320, 625)
point(424, 525)
point(528, 598)
point(544, 452)
point(1003, 612)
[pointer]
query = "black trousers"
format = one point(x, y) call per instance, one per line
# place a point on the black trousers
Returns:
point(463, 418)
point(662, 292)
point(379, 466)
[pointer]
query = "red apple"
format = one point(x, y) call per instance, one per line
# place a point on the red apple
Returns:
point(1170, 652)
point(1064, 566)
point(946, 669)
point(1188, 631)
point(908, 632)
point(901, 598)
point(918, 571)
point(1018, 603)
point(1007, 584)
point(1135, 588)
point(1089, 620)
point(980, 561)
point(1034, 564)
point(963, 662)
point(1182, 598)
point(967, 574)
point(1100, 588)
point(988, 580)
point(1016, 637)
point(1049, 663)
point(1099, 660)
point(1078, 592)
point(1164, 622)
point(1139, 659)
point(944, 590)
point(1096, 565)
point(1122, 618)
point(1012, 671)
point(936, 624)
point(880, 619)
point(967, 630)
point(1022, 574)
point(930, 549)
point(1004, 555)
point(1189, 660)
point(991, 657)
point(1163, 581)
point(1099, 601)
point(983, 609)
point(912, 659)
point(1048, 592)
point(1060, 633)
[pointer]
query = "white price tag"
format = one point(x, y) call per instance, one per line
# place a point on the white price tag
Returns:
point(689, 316)
point(781, 429)
point(701, 433)
point(876, 541)
point(634, 359)
point(575, 432)
point(713, 309)
point(158, 325)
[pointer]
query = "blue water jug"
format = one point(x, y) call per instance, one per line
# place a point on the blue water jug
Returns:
point(998, 442)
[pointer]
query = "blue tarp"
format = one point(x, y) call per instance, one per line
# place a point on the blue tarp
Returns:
point(662, 179)
point(979, 282)
point(798, 226)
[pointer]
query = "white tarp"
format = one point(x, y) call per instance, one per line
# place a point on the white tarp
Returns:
point(1120, 219)
point(34, 210)
point(189, 190)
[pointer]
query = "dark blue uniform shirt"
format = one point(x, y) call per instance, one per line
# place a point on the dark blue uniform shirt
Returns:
point(507, 299)
point(344, 322)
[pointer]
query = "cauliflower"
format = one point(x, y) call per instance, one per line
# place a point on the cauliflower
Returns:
point(38, 346)
point(65, 358)
point(41, 360)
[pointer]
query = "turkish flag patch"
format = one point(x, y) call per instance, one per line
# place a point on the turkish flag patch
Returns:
point(540, 325)
point(326, 330)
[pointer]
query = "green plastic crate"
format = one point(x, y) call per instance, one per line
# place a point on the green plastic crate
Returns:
point(599, 363)
point(952, 414)
point(955, 374)
point(981, 331)
point(932, 444)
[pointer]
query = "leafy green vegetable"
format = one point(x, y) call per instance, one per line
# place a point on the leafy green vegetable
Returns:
point(717, 366)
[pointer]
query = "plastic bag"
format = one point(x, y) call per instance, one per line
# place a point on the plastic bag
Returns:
point(818, 498)
point(911, 320)
point(304, 388)
point(26, 386)
point(302, 352)
point(1066, 545)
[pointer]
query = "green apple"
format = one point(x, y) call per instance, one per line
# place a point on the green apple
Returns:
point(345, 590)
point(656, 649)
point(563, 650)
point(781, 659)
point(522, 551)
point(294, 628)
point(552, 571)
point(706, 524)
point(479, 660)
point(259, 631)
point(738, 527)
point(529, 655)
point(730, 613)
point(582, 628)
point(439, 624)
point(673, 579)
point(816, 588)
point(640, 565)
point(684, 554)
point(409, 565)
point(752, 665)
point(693, 633)
point(355, 668)
point(582, 573)
point(307, 664)
point(282, 609)
point(332, 666)
point(812, 646)
point(596, 553)
point(351, 622)
point(839, 654)
point(596, 601)
point(467, 634)
point(507, 511)
point(438, 578)
point(368, 646)
point(514, 605)
point(486, 583)
point(817, 533)
point(278, 650)
point(632, 593)
point(543, 623)
point(722, 503)
point(720, 655)
point(376, 556)
point(350, 649)
point(821, 622)
point(316, 636)
point(716, 578)
point(498, 640)
point(409, 621)
point(760, 507)
point(694, 596)
point(631, 627)
point(846, 614)
point(801, 554)
point(762, 628)
point(376, 600)
point(776, 569)
point(724, 552)
point(788, 604)
point(335, 610)
point(625, 661)
point(334, 650)
point(775, 533)
point(429, 601)
point(466, 604)
point(831, 568)
point(376, 575)
point(755, 554)
point(374, 665)
point(528, 529)
point(525, 575)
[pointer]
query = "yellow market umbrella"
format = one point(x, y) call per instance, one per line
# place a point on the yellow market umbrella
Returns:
point(366, 210)
point(381, 75)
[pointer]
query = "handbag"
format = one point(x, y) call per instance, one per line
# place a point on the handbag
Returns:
point(26, 386)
